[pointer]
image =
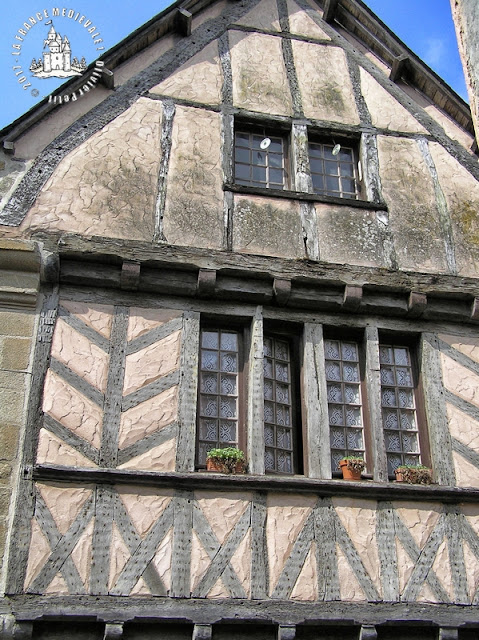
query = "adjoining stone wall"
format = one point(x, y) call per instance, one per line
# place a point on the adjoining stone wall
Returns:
point(18, 288)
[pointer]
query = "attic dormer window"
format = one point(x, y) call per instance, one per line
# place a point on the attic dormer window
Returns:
point(260, 159)
point(334, 168)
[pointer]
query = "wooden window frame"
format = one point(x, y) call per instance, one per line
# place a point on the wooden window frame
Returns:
point(292, 337)
point(330, 139)
point(412, 341)
point(266, 131)
point(243, 338)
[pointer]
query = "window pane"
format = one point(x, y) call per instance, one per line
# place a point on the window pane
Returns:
point(242, 155)
point(398, 402)
point(344, 400)
point(218, 391)
point(332, 175)
point(278, 408)
point(259, 167)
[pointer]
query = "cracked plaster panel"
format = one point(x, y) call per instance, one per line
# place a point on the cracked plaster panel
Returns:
point(405, 565)
point(161, 458)
point(107, 185)
point(460, 380)
point(324, 82)
point(442, 568)
point(119, 556)
point(80, 355)
point(267, 227)
point(461, 191)
point(379, 63)
point(200, 561)
point(263, 16)
point(143, 320)
point(144, 505)
point(420, 521)
point(53, 450)
point(152, 362)
point(469, 348)
point(148, 417)
point(286, 515)
point(97, 316)
point(259, 75)
point(11, 172)
point(38, 554)
point(222, 513)
point(63, 502)
point(466, 473)
point(302, 24)
point(408, 190)
point(162, 559)
point(349, 587)
point(72, 409)
point(386, 112)
point(472, 570)
point(82, 554)
point(241, 563)
point(350, 235)
point(306, 587)
point(218, 590)
point(426, 594)
point(37, 137)
point(463, 427)
point(198, 80)
point(359, 520)
point(452, 129)
point(194, 197)
point(57, 587)
point(140, 589)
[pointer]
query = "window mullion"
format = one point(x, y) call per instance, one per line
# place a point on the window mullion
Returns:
point(315, 403)
point(255, 409)
point(373, 383)
point(301, 178)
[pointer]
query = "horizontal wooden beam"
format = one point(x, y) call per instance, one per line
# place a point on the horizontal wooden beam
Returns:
point(221, 482)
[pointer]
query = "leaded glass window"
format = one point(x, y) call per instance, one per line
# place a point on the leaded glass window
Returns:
point(278, 406)
point(333, 174)
point(260, 160)
point(343, 382)
point(218, 391)
point(398, 405)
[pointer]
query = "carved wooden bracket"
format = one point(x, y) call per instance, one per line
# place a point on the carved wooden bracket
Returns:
point(206, 282)
point(202, 632)
point(416, 304)
point(113, 630)
point(287, 632)
point(130, 276)
point(183, 22)
point(282, 291)
point(352, 297)
point(330, 7)
point(475, 309)
point(368, 632)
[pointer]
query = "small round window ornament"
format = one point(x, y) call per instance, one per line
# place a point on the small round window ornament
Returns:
point(336, 149)
point(264, 144)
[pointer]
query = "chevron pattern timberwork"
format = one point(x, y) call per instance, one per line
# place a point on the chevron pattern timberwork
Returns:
point(460, 370)
point(111, 390)
point(127, 540)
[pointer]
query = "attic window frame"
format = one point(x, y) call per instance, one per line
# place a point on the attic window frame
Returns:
point(352, 143)
point(274, 133)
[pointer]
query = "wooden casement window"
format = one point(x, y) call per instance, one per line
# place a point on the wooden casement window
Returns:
point(345, 389)
point(334, 167)
point(402, 405)
point(260, 158)
point(220, 390)
point(222, 397)
point(281, 406)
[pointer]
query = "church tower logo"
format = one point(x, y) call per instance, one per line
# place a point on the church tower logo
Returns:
point(57, 59)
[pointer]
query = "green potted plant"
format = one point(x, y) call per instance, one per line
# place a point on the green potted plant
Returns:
point(227, 460)
point(413, 474)
point(352, 467)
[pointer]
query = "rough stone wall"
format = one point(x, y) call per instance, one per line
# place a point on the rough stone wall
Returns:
point(18, 289)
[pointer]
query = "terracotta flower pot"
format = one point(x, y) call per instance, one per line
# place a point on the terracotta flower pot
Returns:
point(213, 464)
point(348, 473)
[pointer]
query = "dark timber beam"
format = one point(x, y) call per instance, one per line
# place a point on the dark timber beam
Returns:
point(183, 20)
point(401, 65)
point(108, 79)
point(330, 7)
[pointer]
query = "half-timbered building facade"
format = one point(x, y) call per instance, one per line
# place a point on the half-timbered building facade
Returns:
point(260, 231)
